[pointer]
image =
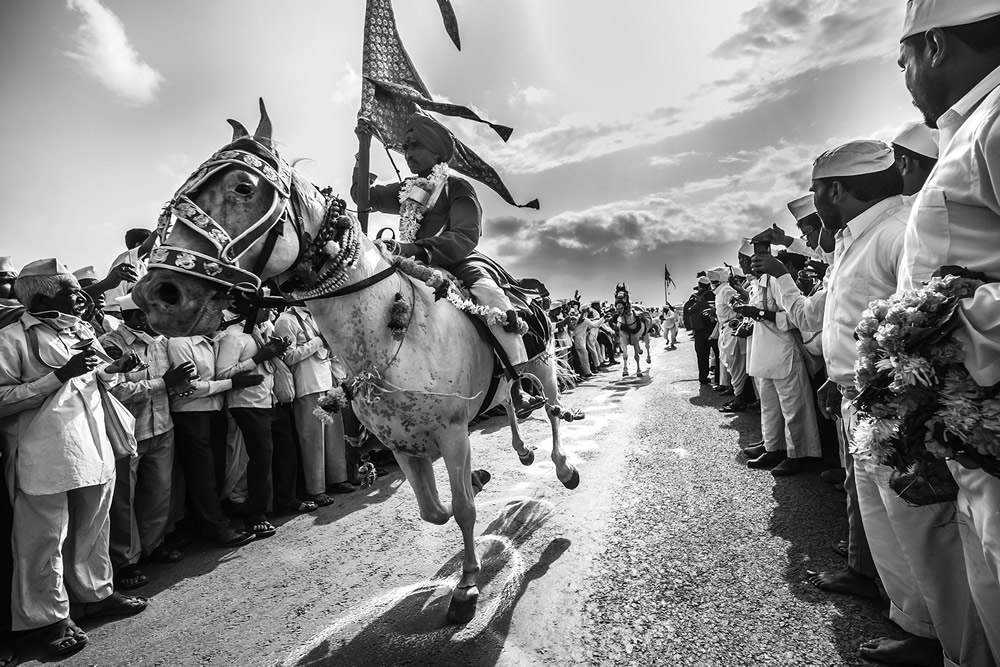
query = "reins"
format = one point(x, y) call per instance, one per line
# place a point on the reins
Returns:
point(336, 231)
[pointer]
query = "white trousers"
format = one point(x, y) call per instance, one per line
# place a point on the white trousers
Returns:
point(788, 413)
point(918, 555)
point(323, 447)
point(488, 293)
point(60, 547)
point(979, 528)
point(733, 350)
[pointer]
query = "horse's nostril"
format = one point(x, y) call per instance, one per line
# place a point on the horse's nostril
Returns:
point(168, 294)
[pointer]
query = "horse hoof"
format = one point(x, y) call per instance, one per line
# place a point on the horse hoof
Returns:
point(461, 612)
point(624, 375)
point(648, 360)
point(638, 374)
point(528, 458)
point(480, 478)
point(573, 481)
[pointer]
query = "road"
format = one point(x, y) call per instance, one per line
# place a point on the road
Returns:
point(670, 552)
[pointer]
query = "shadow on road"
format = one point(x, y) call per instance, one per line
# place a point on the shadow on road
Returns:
point(407, 626)
point(801, 517)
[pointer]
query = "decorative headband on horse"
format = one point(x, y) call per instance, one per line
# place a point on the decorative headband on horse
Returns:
point(255, 153)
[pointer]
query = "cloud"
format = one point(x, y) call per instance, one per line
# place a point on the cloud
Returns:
point(348, 87)
point(530, 96)
point(670, 160)
point(103, 51)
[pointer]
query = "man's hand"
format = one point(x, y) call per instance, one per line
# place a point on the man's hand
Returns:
point(829, 399)
point(246, 379)
point(753, 312)
point(768, 264)
point(176, 376)
point(364, 128)
point(123, 364)
point(412, 250)
point(78, 365)
point(775, 236)
point(276, 347)
point(122, 273)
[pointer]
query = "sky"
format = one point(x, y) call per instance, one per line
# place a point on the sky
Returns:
point(654, 132)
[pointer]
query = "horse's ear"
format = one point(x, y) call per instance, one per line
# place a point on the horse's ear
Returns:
point(238, 130)
point(263, 131)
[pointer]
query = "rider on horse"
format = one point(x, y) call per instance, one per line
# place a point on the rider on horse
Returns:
point(440, 225)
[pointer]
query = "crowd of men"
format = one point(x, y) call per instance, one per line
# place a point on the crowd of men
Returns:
point(780, 332)
point(223, 426)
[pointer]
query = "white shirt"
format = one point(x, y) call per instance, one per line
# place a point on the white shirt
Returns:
point(235, 355)
point(772, 348)
point(54, 434)
point(201, 351)
point(127, 257)
point(956, 220)
point(307, 357)
point(864, 269)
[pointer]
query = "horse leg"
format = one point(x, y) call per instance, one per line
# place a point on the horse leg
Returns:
point(419, 473)
point(624, 343)
point(649, 359)
point(455, 449)
point(637, 350)
point(565, 471)
point(525, 454)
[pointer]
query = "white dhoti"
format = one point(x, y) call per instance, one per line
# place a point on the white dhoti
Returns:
point(733, 350)
point(918, 555)
point(979, 529)
point(788, 413)
point(323, 446)
point(488, 293)
point(60, 546)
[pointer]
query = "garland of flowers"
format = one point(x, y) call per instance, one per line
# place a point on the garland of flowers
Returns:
point(399, 316)
point(415, 195)
point(917, 401)
point(445, 287)
point(337, 245)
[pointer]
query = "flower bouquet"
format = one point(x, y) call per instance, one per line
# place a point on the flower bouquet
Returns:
point(917, 403)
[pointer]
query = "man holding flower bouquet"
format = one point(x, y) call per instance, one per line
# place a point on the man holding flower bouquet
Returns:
point(950, 56)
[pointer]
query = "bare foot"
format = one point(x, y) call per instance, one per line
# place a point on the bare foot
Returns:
point(845, 581)
point(911, 650)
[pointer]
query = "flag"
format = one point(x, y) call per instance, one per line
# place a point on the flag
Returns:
point(666, 276)
point(392, 91)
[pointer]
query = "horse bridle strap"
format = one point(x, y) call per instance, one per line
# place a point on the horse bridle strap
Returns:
point(223, 267)
point(356, 287)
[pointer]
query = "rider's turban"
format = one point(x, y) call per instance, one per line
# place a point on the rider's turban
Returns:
point(431, 135)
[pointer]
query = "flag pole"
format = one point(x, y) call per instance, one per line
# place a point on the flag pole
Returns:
point(364, 182)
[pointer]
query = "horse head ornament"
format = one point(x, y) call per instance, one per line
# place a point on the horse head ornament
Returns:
point(208, 253)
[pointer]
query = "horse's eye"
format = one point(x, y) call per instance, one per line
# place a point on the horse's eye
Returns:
point(244, 189)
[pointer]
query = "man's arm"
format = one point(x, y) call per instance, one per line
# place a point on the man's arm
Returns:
point(297, 353)
point(17, 396)
point(455, 244)
point(227, 360)
point(180, 351)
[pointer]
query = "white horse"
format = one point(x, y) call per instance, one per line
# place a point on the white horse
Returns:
point(246, 213)
point(633, 324)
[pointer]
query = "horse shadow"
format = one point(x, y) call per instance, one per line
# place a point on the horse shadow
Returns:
point(802, 518)
point(407, 626)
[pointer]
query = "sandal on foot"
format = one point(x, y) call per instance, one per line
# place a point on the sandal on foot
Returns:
point(164, 554)
point(130, 577)
point(321, 500)
point(115, 604)
point(341, 487)
point(300, 507)
point(235, 539)
point(262, 529)
point(63, 638)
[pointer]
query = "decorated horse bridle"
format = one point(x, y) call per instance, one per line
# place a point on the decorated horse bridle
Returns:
point(223, 267)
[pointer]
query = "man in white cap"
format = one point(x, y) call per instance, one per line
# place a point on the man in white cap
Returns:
point(916, 151)
point(723, 312)
point(138, 243)
point(58, 460)
point(141, 505)
point(777, 363)
point(950, 53)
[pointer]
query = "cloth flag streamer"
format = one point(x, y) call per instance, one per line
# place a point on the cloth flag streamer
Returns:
point(666, 276)
point(392, 91)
